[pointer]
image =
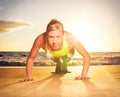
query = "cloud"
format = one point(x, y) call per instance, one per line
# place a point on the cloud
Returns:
point(1, 7)
point(8, 26)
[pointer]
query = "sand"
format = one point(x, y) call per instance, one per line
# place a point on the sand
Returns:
point(104, 82)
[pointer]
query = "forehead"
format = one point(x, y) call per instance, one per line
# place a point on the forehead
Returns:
point(55, 33)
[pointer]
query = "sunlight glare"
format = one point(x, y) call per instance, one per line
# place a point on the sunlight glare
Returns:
point(83, 30)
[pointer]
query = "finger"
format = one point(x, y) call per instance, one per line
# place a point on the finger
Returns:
point(81, 78)
point(28, 79)
point(31, 79)
point(78, 78)
point(85, 78)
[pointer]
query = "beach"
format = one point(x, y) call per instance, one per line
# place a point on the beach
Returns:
point(104, 82)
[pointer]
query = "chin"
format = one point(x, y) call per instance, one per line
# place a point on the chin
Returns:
point(55, 49)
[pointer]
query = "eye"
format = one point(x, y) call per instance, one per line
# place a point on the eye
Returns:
point(50, 37)
point(58, 36)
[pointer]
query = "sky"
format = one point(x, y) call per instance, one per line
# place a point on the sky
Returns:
point(96, 23)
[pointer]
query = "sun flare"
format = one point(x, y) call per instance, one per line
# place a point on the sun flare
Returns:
point(83, 30)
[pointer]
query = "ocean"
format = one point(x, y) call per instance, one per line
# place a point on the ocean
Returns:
point(97, 58)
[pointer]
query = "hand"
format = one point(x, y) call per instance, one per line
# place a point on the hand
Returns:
point(81, 78)
point(27, 79)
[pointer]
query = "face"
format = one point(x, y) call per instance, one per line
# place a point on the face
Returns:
point(55, 40)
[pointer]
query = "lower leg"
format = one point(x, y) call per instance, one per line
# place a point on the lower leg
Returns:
point(64, 68)
point(65, 60)
point(58, 68)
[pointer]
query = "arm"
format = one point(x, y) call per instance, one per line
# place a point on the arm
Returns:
point(75, 43)
point(86, 60)
point(30, 60)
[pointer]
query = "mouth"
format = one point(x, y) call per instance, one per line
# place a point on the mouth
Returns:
point(55, 47)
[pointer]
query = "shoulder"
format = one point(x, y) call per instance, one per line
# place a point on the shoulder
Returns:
point(67, 33)
point(40, 40)
point(41, 36)
point(71, 39)
point(69, 36)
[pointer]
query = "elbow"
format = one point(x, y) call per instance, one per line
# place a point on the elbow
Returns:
point(86, 59)
point(30, 58)
point(86, 56)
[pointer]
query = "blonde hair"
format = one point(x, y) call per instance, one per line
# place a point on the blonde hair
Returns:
point(54, 25)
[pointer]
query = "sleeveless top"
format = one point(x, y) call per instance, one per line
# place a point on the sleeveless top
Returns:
point(59, 53)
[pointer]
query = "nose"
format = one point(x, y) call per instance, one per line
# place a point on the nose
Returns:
point(54, 40)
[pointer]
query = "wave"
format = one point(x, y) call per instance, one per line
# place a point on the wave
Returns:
point(19, 59)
